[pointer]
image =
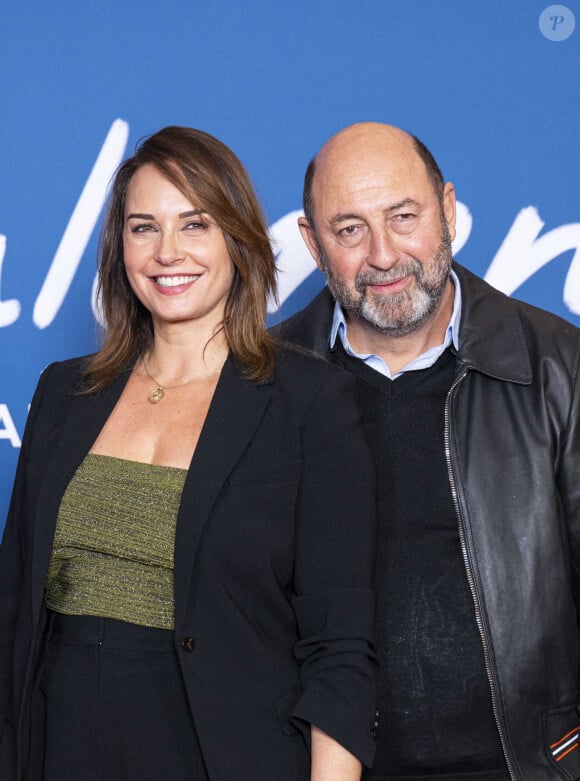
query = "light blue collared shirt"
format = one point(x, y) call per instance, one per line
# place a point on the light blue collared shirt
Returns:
point(422, 361)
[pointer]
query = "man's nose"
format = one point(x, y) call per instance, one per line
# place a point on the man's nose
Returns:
point(383, 252)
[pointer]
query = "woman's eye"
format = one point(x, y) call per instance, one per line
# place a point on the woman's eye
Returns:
point(195, 226)
point(143, 228)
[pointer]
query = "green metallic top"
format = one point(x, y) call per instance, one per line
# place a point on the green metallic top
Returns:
point(112, 553)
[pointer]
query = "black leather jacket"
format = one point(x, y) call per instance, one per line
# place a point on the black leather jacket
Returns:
point(512, 442)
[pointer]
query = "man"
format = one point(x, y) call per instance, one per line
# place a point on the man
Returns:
point(471, 403)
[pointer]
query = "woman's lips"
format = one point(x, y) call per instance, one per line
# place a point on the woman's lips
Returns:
point(174, 284)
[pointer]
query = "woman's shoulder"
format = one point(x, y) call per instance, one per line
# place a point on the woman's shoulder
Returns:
point(69, 372)
point(303, 369)
point(60, 381)
point(291, 356)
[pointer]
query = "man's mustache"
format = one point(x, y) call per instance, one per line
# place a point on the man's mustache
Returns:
point(366, 278)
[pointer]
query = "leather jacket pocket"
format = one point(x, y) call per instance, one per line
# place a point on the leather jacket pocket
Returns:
point(562, 731)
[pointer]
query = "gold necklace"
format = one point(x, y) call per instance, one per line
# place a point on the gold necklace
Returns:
point(158, 393)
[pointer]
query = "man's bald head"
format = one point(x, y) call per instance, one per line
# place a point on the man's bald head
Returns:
point(364, 137)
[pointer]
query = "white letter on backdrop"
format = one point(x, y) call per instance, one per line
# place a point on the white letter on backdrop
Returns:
point(522, 253)
point(9, 310)
point(80, 226)
point(9, 430)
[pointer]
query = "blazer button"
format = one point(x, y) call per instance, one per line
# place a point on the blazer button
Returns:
point(187, 644)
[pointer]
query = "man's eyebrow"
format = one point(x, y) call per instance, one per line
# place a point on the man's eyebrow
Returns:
point(182, 216)
point(405, 202)
point(342, 217)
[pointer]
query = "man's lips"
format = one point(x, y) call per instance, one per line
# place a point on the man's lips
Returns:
point(390, 285)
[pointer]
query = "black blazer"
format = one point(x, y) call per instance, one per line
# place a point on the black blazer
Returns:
point(274, 553)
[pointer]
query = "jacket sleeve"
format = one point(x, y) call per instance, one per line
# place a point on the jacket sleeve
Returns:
point(569, 474)
point(11, 582)
point(334, 601)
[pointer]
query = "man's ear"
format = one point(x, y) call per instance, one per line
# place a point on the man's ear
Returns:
point(449, 208)
point(310, 239)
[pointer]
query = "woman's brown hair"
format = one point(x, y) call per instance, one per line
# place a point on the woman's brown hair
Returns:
point(210, 175)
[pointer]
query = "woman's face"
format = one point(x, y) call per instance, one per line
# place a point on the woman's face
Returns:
point(176, 257)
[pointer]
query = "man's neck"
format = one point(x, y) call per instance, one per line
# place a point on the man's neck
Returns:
point(398, 351)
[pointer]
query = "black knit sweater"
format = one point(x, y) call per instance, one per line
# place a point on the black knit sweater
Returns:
point(436, 718)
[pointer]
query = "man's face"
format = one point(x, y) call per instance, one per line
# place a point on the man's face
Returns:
point(398, 313)
point(383, 238)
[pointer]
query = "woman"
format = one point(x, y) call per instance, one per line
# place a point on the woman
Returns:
point(185, 572)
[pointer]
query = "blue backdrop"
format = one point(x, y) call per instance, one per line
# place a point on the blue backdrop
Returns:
point(491, 87)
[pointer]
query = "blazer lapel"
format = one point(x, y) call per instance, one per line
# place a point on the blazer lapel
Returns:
point(86, 417)
point(234, 414)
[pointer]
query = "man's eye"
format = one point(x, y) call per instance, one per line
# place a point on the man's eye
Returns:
point(349, 230)
point(405, 222)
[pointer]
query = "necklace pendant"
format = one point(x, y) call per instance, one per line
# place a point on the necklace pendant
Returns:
point(156, 395)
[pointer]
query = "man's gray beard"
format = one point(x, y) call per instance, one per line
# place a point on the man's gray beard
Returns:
point(397, 314)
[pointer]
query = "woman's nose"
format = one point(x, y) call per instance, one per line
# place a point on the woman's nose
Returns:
point(168, 249)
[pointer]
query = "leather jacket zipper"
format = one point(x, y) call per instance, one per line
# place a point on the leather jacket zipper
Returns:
point(470, 579)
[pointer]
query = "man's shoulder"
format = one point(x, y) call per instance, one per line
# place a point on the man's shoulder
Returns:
point(310, 327)
point(479, 294)
point(501, 333)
